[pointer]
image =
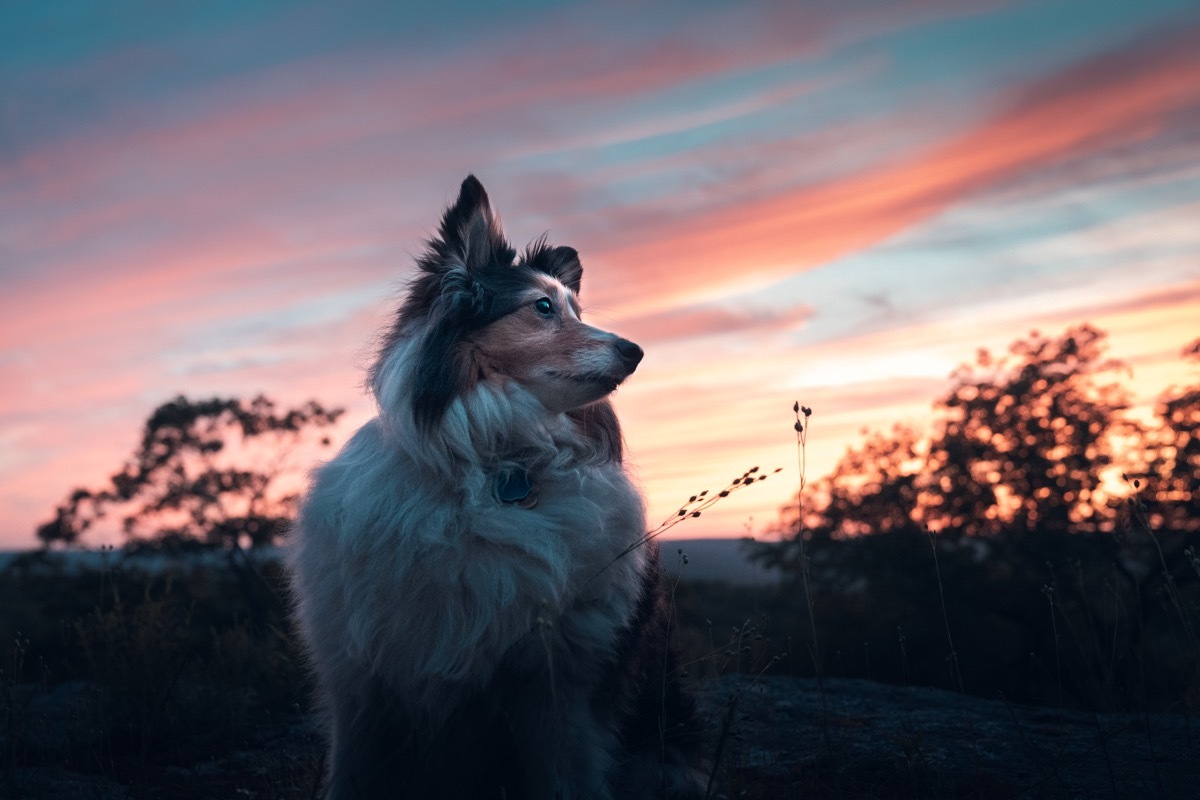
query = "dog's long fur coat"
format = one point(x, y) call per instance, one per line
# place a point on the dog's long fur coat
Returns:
point(469, 642)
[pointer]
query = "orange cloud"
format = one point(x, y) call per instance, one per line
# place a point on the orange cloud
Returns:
point(1124, 97)
point(696, 422)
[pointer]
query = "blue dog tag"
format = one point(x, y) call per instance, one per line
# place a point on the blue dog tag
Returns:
point(513, 487)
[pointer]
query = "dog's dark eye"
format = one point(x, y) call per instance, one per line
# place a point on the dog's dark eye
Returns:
point(543, 306)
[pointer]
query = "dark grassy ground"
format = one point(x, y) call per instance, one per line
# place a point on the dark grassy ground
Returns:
point(186, 682)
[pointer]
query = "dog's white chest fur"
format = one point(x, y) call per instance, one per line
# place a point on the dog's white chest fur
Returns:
point(433, 591)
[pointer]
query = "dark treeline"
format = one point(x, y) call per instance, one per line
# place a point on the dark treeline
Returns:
point(1038, 441)
point(205, 474)
point(1040, 543)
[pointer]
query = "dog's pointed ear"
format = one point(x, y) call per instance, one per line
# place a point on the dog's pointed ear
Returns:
point(559, 262)
point(471, 230)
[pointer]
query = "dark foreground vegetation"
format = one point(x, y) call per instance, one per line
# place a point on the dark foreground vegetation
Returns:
point(1039, 544)
point(1008, 606)
point(184, 682)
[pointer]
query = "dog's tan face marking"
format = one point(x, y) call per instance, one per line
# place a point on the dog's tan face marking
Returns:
point(544, 346)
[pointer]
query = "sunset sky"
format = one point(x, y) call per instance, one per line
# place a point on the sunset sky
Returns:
point(830, 202)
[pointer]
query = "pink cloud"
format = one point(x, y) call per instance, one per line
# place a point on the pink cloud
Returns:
point(1124, 97)
point(699, 322)
point(259, 140)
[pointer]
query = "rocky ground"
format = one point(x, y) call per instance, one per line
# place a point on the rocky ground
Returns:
point(857, 739)
point(771, 738)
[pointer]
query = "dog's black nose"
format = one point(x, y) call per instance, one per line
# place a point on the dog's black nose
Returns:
point(630, 353)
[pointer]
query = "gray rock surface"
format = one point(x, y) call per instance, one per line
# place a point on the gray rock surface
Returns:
point(774, 737)
point(790, 737)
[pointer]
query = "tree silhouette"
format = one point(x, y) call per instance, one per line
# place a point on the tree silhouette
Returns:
point(1174, 455)
point(1023, 441)
point(205, 472)
point(874, 488)
point(1020, 443)
point(1050, 605)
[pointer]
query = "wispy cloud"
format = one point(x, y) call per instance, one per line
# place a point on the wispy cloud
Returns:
point(694, 323)
point(1116, 98)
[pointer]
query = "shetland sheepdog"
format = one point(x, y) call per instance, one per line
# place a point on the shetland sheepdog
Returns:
point(481, 614)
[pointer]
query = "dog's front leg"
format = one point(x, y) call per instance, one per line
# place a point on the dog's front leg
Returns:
point(568, 753)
